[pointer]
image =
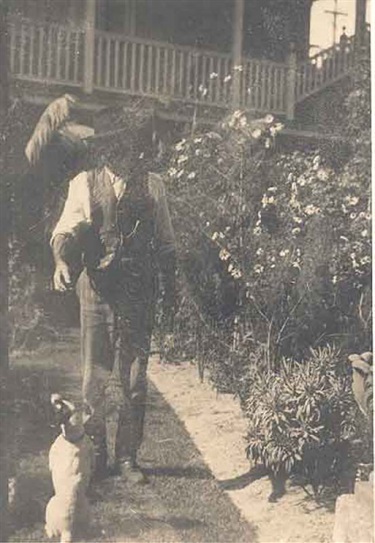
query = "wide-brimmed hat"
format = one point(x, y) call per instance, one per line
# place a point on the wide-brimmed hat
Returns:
point(117, 130)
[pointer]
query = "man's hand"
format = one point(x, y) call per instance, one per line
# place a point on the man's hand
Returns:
point(62, 279)
point(167, 347)
point(168, 343)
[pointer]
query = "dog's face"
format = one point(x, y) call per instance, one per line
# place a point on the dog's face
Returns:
point(65, 411)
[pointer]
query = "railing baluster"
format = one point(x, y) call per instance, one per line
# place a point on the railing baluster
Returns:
point(216, 82)
point(305, 79)
point(202, 77)
point(58, 53)
point(281, 88)
point(49, 52)
point(256, 94)
point(219, 82)
point(133, 65)
point(338, 62)
point(76, 57)
point(125, 65)
point(141, 66)
point(41, 52)
point(157, 70)
point(116, 63)
point(173, 73)
point(272, 100)
point(188, 76)
point(278, 77)
point(32, 47)
point(269, 73)
point(99, 61)
point(328, 67)
point(263, 104)
point(256, 86)
point(108, 63)
point(165, 70)
point(12, 46)
point(181, 66)
point(276, 98)
point(149, 68)
point(224, 85)
point(22, 49)
point(196, 76)
point(243, 83)
point(211, 87)
point(68, 38)
point(333, 65)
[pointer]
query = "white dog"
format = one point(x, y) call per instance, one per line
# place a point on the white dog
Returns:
point(71, 462)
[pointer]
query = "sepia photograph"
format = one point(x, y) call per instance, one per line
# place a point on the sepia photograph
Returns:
point(186, 271)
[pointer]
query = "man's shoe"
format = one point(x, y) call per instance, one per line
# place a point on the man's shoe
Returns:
point(133, 473)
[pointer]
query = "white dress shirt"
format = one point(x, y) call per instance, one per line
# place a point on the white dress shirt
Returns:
point(77, 209)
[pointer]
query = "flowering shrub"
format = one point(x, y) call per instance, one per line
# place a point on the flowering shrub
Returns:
point(275, 247)
point(214, 210)
point(312, 264)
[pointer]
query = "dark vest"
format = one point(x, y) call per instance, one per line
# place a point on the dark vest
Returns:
point(119, 249)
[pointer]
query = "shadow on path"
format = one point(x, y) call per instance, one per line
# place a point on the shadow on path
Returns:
point(244, 480)
point(182, 502)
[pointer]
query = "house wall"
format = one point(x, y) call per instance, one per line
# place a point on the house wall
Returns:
point(63, 11)
point(272, 25)
point(269, 25)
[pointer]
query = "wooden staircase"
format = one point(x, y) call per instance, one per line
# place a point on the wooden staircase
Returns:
point(327, 67)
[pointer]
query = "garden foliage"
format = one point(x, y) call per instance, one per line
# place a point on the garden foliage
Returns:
point(275, 254)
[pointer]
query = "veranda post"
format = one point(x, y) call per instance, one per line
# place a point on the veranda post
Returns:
point(4, 272)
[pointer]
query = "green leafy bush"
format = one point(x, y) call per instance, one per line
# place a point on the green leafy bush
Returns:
point(302, 417)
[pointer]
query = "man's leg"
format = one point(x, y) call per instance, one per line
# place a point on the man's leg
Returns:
point(97, 351)
point(134, 385)
point(130, 373)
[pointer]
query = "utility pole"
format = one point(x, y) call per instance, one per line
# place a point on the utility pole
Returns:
point(335, 13)
point(4, 271)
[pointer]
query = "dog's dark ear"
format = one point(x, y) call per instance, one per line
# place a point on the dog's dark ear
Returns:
point(63, 409)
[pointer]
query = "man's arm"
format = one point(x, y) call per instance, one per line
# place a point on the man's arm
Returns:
point(75, 217)
point(165, 246)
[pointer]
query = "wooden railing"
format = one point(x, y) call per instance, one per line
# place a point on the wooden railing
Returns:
point(47, 53)
point(324, 68)
point(54, 54)
point(264, 86)
point(136, 66)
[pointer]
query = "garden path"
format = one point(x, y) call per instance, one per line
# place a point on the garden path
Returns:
point(217, 427)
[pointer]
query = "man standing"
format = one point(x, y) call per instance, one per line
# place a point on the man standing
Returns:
point(116, 220)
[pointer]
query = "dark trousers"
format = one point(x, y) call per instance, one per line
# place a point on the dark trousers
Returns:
point(115, 342)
